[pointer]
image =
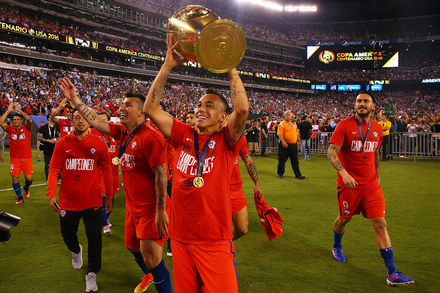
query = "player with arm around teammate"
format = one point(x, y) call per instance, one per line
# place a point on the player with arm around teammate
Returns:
point(354, 153)
point(143, 164)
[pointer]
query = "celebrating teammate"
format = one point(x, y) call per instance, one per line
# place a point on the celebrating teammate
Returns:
point(20, 149)
point(200, 227)
point(81, 157)
point(354, 153)
point(143, 162)
point(65, 124)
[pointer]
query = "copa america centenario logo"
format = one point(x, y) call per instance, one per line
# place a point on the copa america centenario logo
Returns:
point(326, 57)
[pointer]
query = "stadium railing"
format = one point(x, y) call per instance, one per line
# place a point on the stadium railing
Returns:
point(402, 144)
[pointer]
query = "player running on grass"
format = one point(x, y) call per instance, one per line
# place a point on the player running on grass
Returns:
point(354, 153)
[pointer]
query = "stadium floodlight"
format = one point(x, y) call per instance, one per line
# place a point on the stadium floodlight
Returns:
point(267, 4)
point(301, 8)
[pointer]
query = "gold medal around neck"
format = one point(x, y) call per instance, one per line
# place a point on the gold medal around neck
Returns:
point(68, 132)
point(116, 161)
point(362, 148)
point(198, 182)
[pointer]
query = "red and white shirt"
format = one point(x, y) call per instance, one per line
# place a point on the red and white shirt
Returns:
point(359, 163)
point(20, 141)
point(81, 163)
point(201, 215)
point(145, 151)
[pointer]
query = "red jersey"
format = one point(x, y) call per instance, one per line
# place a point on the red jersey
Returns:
point(145, 151)
point(112, 145)
point(80, 162)
point(66, 127)
point(236, 181)
point(359, 164)
point(201, 215)
point(20, 141)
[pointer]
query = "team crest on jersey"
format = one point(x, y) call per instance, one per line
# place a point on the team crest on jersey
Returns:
point(62, 213)
point(375, 134)
point(133, 145)
point(92, 150)
point(211, 144)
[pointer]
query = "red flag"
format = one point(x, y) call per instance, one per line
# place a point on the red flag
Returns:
point(270, 217)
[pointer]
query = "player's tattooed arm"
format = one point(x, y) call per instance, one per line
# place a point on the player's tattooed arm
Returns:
point(241, 128)
point(250, 167)
point(86, 112)
point(93, 119)
point(237, 122)
point(160, 175)
point(332, 155)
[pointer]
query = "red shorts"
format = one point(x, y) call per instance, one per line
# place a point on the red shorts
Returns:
point(115, 184)
point(17, 165)
point(207, 268)
point(369, 201)
point(238, 200)
point(137, 228)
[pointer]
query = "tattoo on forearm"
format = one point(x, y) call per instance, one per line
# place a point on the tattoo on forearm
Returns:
point(252, 171)
point(332, 155)
point(160, 173)
point(241, 128)
point(158, 90)
point(86, 112)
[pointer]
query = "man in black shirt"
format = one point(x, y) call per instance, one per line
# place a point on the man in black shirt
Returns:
point(401, 129)
point(305, 131)
point(264, 135)
point(252, 137)
point(48, 134)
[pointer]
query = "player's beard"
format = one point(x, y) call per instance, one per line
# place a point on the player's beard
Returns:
point(364, 115)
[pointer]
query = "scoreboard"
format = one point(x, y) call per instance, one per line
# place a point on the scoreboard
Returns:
point(355, 56)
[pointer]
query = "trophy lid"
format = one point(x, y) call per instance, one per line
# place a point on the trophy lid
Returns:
point(220, 46)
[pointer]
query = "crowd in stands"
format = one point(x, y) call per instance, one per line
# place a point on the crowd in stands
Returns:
point(292, 32)
point(289, 33)
point(37, 93)
point(415, 63)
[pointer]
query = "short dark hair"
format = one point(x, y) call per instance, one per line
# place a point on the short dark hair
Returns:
point(141, 97)
point(17, 114)
point(368, 93)
point(223, 99)
point(190, 112)
point(135, 95)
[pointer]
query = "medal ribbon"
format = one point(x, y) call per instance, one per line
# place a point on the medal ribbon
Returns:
point(363, 139)
point(201, 158)
point(18, 134)
point(106, 141)
point(123, 147)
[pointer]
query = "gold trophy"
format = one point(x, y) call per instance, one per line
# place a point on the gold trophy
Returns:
point(217, 44)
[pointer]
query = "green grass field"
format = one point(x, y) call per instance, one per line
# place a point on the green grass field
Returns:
point(36, 259)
